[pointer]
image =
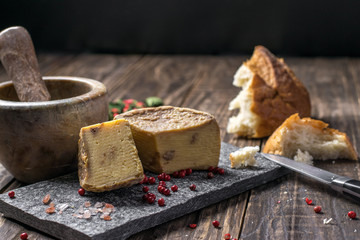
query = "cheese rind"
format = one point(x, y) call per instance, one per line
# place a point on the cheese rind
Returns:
point(170, 139)
point(108, 158)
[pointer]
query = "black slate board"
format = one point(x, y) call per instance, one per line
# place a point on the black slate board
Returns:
point(132, 215)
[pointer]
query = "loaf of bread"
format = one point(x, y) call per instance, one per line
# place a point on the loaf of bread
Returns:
point(170, 138)
point(306, 138)
point(270, 94)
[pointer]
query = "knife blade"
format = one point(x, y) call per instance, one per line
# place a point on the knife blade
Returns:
point(345, 185)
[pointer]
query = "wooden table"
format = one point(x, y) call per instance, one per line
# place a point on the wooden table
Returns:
point(276, 210)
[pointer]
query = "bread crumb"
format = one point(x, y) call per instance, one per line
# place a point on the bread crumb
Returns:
point(244, 157)
point(304, 157)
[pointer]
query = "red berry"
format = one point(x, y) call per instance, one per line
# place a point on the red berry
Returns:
point(24, 236)
point(352, 214)
point(221, 171)
point(145, 189)
point(317, 209)
point(81, 191)
point(145, 180)
point(128, 101)
point(11, 194)
point(151, 180)
point(308, 201)
point(167, 177)
point(215, 223)
point(227, 236)
point(161, 202)
point(182, 174)
point(174, 188)
point(175, 174)
point(192, 187)
point(215, 170)
point(150, 199)
point(167, 192)
point(188, 171)
point(211, 169)
point(126, 108)
point(193, 225)
point(210, 175)
point(145, 197)
point(162, 183)
point(161, 189)
point(152, 195)
point(160, 177)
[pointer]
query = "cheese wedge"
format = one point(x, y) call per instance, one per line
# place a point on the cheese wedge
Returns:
point(171, 139)
point(108, 158)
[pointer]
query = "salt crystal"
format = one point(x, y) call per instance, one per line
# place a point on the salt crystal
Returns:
point(355, 230)
point(77, 215)
point(327, 221)
point(87, 204)
point(98, 205)
point(81, 210)
point(285, 192)
point(93, 211)
point(87, 214)
point(102, 216)
point(62, 206)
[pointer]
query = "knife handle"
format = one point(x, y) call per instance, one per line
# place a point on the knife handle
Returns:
point(351, 188)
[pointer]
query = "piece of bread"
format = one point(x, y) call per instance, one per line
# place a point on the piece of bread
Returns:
point(270, 94)
point(311, 136)
point(244, 157)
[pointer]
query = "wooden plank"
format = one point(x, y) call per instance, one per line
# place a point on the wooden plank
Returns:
point(334, 89)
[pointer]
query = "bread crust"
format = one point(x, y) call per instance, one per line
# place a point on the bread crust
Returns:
point(274, 146)
point(277, 93)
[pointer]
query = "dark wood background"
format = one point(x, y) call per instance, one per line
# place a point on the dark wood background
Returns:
point(287, 27)
point(205, 83)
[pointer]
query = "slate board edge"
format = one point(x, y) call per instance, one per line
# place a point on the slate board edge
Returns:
point(10, 211)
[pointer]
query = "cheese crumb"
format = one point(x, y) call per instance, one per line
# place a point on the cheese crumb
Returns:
point(304, 157)
point(244, 157)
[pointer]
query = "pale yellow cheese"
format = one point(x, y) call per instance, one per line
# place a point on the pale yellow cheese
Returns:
point(171, 139)
point(108, 158)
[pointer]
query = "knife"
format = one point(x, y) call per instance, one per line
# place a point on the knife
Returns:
point(345, 185)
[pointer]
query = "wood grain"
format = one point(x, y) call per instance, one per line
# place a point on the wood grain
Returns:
point(205, 83)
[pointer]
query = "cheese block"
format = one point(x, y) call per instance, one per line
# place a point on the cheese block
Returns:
point(244, 157)
point(171, 138)
point(108, 158)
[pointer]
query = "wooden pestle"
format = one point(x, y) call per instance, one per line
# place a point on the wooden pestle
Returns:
point(18, 57)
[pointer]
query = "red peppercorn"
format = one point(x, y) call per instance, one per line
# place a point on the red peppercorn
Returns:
point(115, 110)
point(145, 180)
point(175, 174)
point(192, 187)
point(215, 171)
point(24, 236)
point(308, 201)
point(211, 169)
point(174, 188)
point(160, 177)
point(167, 177)
point(216, 223)
point(193, 225)
point(210, 175)
point(145, 189)
point(162, 183)
point(317, 209)
point(161, 189)
point(188, 171)
point(151, 180)
point(221, 171)
point(152, 195)
point(150, 199)
point(126, 108)
point(145, 197)
point(81, 191)
point(182, 174)
point(352, 214)
point(227, 236)
point(161, 202)
point(167, 192)
point(11, 194)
